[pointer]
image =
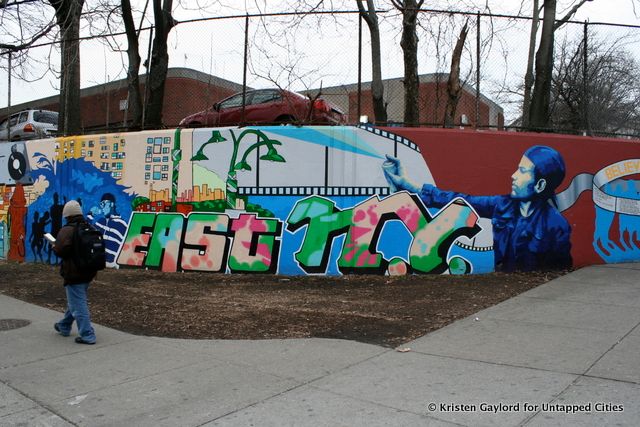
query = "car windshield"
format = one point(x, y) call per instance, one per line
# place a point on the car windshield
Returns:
point(50, 117)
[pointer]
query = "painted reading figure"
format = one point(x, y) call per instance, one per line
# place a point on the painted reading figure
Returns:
point(529, 233)
point(106, 219)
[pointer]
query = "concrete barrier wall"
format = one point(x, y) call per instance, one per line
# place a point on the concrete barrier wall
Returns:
point(316, 200)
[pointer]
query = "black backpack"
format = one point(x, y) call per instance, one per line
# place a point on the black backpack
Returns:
point(88, 248)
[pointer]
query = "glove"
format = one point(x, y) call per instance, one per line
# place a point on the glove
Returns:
point(396, 176)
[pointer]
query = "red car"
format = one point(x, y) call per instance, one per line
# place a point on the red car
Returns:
point(267, 106)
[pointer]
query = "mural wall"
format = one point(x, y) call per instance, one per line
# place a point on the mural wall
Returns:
point(329, 200)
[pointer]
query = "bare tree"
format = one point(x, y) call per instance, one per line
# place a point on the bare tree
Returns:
point(454, 88)
point(20, 27)
point(538, 114)
point(609, 98)
point(528, 77)
point(68, 14)
point(134, 98)
point(370, 16)
point(409, 44)
point(539, 110)
point(164, 22)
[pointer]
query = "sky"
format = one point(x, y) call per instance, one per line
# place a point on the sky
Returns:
point(318, 53)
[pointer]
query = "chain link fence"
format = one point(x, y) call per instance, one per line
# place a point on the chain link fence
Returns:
point(594, 90)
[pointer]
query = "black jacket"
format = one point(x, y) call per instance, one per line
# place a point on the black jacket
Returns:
point(63, 247)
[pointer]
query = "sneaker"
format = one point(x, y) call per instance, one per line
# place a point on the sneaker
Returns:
point(79, 340)
point(58, 330)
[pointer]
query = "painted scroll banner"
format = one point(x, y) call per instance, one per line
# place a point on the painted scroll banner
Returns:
point(613, 203)
point(599, 184)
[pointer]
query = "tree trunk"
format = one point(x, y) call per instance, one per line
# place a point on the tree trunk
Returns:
point(409, 44)
point(528, 77)
point(159, 63)
point(539, 114)
point(134, 98)
point(68, 19)
point(377, 88)
point(454, 88)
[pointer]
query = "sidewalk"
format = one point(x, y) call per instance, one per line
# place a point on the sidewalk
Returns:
point(572, 341)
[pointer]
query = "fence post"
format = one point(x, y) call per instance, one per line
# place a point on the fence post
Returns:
point(244, 71)
point(585, 75)
point(477, 69)
point(359, 110)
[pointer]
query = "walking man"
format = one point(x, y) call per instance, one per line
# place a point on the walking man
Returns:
point(76, 280)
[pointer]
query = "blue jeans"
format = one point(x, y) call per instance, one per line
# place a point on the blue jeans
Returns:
point(78, 310)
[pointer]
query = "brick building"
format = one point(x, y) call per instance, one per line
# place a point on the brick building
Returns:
point(432, 102)
point(104, 106)
point(188, 91)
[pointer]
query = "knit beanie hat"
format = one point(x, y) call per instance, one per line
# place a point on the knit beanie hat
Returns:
point(71, 208)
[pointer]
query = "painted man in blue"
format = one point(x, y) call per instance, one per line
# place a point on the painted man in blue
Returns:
point(113, 227)
point(529, 233)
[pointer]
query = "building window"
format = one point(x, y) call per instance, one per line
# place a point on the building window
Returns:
point(91, 143)
point(90, 153)
point(167, 140)
point(165, 158)
point(165, 177)
point(156, 160)
point(104, 155)
point(114, 155)
point(104, 147)
point(122, 142)
point(165, 150)
point(149, 149)
point(147, 158)
point(156, 172)
point(147, 176)
point(157, 146)
point(165, 168)
point(115, 146)
point(147, 167)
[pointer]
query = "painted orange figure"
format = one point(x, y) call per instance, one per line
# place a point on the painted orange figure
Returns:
point(17, 229)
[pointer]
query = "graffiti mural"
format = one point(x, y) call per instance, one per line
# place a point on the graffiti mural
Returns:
point(327, 200)
point(529, 233)
point(202, 242)
point(362, 226)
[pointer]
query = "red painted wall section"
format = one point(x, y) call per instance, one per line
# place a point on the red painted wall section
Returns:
point(481, 163)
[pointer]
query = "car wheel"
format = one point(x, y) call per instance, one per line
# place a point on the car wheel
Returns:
point(285, 120)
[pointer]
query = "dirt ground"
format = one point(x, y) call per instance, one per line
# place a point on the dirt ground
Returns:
point(380, 310)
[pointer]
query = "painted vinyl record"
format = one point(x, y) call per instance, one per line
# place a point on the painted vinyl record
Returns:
point(17, 165)
point(14, 164)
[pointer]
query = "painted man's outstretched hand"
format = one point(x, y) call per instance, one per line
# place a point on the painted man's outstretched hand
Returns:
point(396, 176)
